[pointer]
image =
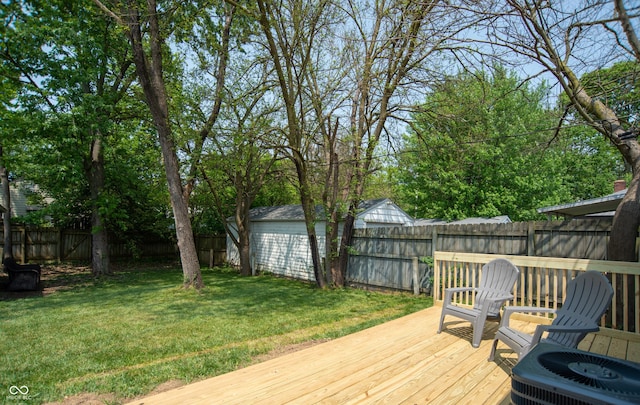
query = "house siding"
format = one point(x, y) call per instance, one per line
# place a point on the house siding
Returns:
point(282, 246)
point(18, 203)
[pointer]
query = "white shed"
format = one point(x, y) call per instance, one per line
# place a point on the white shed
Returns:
point(279, 242)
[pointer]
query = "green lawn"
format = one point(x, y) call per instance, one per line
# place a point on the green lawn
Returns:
point(128, 333)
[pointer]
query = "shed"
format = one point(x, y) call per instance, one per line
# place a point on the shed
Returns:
point(279, 241)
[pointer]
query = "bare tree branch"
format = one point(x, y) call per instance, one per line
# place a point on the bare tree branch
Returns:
point(625, 21)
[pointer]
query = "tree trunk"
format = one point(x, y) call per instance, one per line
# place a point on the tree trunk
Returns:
point(7, 250)
point(624, 231)
point(245, 256)
point(184, 232)
point(315, 258)
point(242, 243)
point(150, 73)
point(622, 243)
point(100, 264)
point(309, 209)
point(243, 224)
point(331, 249)
point(345, 243)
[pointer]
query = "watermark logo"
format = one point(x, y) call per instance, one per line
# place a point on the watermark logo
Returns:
point(15, 390)
point(19, 393)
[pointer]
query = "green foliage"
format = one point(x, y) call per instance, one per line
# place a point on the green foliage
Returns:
point(278, 188)
point(428, 260)
point(587, 155)
point(109, 345)
point(591, 164)
point(484, 146)
point(77, 87)
point(616, 87)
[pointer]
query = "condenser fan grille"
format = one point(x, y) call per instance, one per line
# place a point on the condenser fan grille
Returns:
point(596, 372)
point(551, 374)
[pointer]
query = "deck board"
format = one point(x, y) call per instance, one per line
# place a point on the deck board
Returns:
point(401, 361)
point(633, 351)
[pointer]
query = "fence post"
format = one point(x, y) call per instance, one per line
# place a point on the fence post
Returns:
point(416, 277)
point(23, 243)
point(531, 237)
point(59, 247)
point(434, 240)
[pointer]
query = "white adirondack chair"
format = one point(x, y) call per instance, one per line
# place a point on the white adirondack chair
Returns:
point(496, 285)
point(588, 297)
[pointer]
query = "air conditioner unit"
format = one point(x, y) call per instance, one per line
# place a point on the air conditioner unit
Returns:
point(551, 374)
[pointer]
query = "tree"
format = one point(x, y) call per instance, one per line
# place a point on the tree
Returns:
point(189, 22)
point(291, 32)
point(243, 156)
point(8, 84)
point(385, 44)
point(344, 71)
point(485, 145)
point(150, 71)
point(590, 165)
point(390, 46)
point(5, 211)
point(74, 72)
point(561, 38)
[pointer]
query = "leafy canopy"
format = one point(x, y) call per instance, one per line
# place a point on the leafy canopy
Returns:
point(485, 144)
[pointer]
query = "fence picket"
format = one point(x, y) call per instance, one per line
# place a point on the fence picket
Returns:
point(33, 244)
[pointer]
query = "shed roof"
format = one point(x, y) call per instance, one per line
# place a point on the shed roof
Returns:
point(279, 213)
point(295, 212)
point(587, 207)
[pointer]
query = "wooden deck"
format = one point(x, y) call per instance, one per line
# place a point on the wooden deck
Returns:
point(402, 361)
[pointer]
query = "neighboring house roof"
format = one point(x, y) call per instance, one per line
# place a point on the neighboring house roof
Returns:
point(601, 205)
point(376, 213)
point(424, 221)
point(501, 219)
point(295, 212)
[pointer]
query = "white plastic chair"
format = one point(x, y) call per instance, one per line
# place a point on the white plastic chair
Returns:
point(588, 297)
point(496, 285)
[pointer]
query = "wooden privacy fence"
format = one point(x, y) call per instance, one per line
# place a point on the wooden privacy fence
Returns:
point(212, 249)
point(542, 282)
point(32, 244)
point(49, 244)
point(386, 257)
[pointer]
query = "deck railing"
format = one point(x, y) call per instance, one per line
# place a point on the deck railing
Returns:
point(543, 281)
